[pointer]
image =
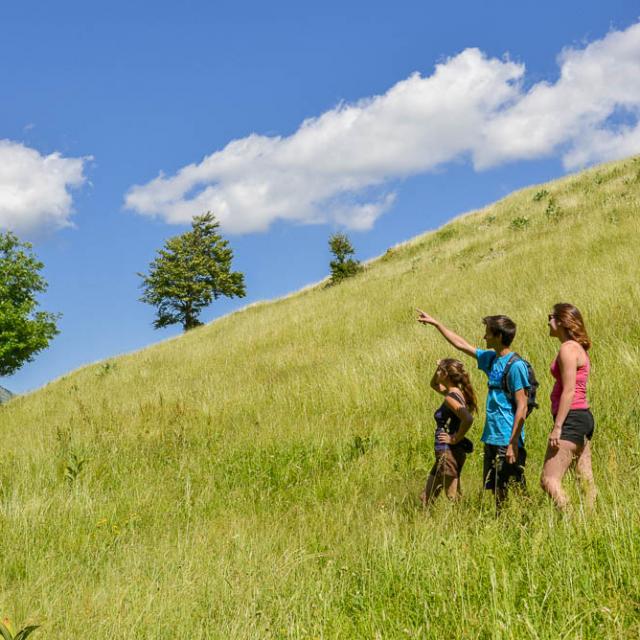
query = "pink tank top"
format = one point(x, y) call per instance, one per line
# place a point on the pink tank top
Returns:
point(580, 395)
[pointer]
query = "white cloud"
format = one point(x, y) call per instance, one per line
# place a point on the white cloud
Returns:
point(600, 145)
point(594, 84)
point(340, 166)
point(35, 189)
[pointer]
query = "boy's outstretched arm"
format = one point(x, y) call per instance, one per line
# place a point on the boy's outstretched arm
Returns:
point(452, 338)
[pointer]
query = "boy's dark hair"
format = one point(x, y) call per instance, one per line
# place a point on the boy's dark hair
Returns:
point(503, 326)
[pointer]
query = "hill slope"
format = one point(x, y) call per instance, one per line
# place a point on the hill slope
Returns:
point(258, 476)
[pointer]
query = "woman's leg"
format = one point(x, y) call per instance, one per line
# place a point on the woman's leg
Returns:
point(451, 487)
point(585, 474)
point(432, 489)
point(556, 463)
point(455, 461)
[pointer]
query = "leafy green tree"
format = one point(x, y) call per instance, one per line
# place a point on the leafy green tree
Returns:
point(24, 332)
point(343, 266)
point(191, 271)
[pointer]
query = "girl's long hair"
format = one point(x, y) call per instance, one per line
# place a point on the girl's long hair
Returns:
point(456, 372)
point(570, 318)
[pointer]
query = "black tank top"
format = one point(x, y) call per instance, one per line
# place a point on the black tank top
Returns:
point(445, 418)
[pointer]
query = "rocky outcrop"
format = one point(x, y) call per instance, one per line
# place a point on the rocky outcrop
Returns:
point(5, 395)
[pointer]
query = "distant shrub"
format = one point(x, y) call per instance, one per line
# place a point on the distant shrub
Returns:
point(73, 468)
point(106, 368)
point(598, 178)
point(486, 222)
point(519, 223)
point(446, 234)
point(389, 254)
point(553, 211)
point(540, 195)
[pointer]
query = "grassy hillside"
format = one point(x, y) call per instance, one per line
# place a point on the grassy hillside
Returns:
point(258, 478)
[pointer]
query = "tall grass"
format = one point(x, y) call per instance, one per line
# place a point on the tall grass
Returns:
point(258, 477)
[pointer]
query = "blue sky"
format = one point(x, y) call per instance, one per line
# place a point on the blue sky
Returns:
point(415, 112)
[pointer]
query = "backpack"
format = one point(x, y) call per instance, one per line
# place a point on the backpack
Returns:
point(531, 390)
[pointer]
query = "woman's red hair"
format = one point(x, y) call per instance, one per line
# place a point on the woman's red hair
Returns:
point(570, 318)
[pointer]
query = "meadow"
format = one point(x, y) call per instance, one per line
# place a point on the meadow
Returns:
point(259, 476)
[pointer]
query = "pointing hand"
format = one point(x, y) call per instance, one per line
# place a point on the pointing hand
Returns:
point(425, 318)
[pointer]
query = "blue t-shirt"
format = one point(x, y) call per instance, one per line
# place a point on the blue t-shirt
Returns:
point(499, 421)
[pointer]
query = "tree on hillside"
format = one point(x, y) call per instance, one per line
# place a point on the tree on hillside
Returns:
point(191, 271)
point(24, 332)
point(343, 266)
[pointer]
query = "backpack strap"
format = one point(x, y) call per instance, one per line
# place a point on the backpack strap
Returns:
point(505, 372)
point(515, 357)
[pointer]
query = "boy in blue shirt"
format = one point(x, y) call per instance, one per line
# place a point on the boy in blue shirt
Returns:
point(503, 434)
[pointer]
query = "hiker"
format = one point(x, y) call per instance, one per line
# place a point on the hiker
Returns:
point(507, 402)
point(570, 438)
point(453, 420)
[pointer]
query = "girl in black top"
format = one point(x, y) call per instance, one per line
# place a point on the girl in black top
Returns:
point(453, 420)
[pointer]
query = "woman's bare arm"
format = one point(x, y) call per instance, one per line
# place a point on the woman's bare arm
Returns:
point(568, 365)
point(452, 338)
point(466, 420)
point(435, 385)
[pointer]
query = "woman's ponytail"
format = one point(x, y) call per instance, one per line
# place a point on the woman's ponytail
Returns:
point(469, 393)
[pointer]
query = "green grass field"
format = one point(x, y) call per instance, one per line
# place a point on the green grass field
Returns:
point(259, 477)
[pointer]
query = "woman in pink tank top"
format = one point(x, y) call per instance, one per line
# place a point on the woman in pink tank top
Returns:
point(573, 424)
